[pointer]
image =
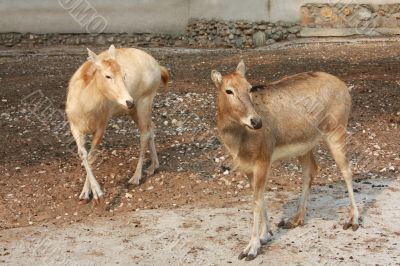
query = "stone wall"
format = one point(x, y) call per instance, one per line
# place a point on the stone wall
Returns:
point(199, 33)
point(239, 34)
point(362, 17)
point(120, 39)
point(317, 19)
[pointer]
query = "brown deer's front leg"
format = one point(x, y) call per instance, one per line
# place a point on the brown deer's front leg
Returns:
point(260, 172)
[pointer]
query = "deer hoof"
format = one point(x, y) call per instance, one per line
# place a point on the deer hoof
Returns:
point(84, 201)
point(246, 257)
point(242, 255)
point(134, 181)
point(290, 224)
point(354, 226)
point(250, 257)
point(98, 201)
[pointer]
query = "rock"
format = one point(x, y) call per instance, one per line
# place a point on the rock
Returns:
point(259, 38)
point(248, 31)
point(363, 14)
point(294, 29)
point(291, 36)
point(239, 42)
point(270, 41)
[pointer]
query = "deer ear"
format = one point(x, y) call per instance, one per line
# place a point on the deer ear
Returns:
point(92, 56)
point(216, 78)
point(112, 51)
point(241, 68)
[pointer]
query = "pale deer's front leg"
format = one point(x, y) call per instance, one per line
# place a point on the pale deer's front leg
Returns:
point(91, 185)
point(97, 138)
point(259, 212)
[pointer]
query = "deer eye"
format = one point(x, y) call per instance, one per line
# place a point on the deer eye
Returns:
point(108, 77)
point(229, 92)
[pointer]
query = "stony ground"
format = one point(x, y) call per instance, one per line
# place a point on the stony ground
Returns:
point(40, 175)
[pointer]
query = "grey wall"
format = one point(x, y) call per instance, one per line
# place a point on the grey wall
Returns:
point(167, 16)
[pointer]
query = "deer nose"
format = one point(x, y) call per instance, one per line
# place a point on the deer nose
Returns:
point(130, 104)
point(256, 122)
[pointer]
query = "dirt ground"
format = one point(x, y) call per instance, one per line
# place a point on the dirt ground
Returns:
point(215, 236)
point(41, 176)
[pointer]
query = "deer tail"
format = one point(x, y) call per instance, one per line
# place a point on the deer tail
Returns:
point(164, 75)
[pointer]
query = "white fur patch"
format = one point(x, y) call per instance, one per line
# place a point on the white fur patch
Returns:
point(293, 150)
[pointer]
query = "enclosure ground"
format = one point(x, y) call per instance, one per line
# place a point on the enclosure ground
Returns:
point(215, 236)
point(40, 179)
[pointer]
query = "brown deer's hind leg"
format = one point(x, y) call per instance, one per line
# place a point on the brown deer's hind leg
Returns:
point(336, 141)
point(310, 170)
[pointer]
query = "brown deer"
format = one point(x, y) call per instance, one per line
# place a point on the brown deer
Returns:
point(286, 118)
point(113, 82)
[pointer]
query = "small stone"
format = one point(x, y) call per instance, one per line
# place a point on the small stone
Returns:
point(291, 37)
point(259, 38)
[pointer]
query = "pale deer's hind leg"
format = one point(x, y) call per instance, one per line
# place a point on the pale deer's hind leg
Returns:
point(142, 117)
point(259, 212)
point(336, 141)
point(310, 170)
point(155, 164)
point(91, 185)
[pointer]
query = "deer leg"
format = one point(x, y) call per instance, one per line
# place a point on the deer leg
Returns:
point(144, 122)
point(310, 170)
point(91, 185)
point(97, 138)
point(265, 226)
point(336, 142)
point(153, 154)
point(259, 179)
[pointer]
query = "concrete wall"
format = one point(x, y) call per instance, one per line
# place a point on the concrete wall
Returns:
point(166, 16)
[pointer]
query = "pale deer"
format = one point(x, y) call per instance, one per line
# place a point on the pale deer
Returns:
point(113, 82)
point(286, 118)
